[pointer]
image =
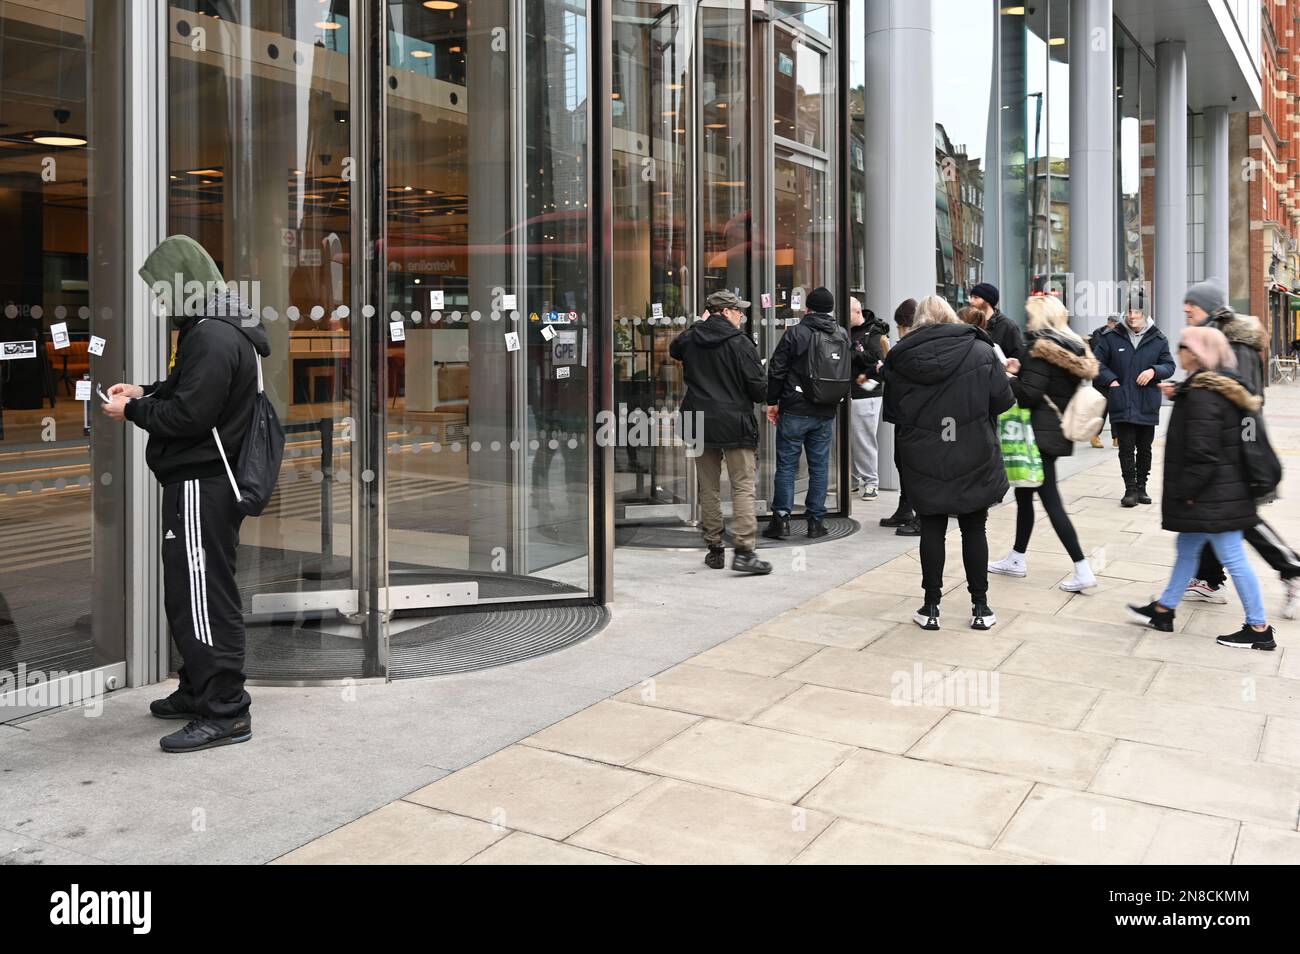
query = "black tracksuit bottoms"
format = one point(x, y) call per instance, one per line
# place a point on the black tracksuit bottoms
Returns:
point(1265, 540)
point(200, 533)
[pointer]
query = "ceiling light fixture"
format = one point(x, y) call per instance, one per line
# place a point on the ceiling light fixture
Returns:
point(441, 4)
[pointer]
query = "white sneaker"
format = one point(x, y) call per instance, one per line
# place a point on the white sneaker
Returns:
point(1013, 564)
point(1291, 609)
point(868, 492)
point(1079, 583)
point(1202, 591)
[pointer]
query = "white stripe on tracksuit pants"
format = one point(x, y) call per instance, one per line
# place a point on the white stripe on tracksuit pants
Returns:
point(204, 609)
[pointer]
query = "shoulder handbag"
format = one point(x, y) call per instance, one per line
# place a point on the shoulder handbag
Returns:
point(1082, 418)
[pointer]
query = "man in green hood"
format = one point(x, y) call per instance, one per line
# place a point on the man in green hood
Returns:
point(209, 391)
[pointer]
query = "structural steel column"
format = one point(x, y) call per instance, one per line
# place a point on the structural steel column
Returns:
point(1216, 193)
point(900, 184)
point(1171, 186)
point(1092, 163)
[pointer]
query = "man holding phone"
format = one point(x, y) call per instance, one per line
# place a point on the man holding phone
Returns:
point(212, 384)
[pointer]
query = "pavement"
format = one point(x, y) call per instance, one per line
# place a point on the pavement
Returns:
point(798, 718)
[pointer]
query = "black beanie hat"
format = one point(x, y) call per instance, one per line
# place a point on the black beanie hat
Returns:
point(988, 292)
point(821, 300)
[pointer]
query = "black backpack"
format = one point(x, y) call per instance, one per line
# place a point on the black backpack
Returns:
point(1260, 462)
point(829, 367)
point(261, 456)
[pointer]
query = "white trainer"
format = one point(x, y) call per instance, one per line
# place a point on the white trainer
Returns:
point(1013, 564)
point(1291, 608)
point(1202, 591)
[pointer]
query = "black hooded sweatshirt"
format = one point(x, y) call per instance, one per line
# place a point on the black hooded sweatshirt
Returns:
point(212, 384)
point(944, 389)
point(724, 379)
point(868, 348)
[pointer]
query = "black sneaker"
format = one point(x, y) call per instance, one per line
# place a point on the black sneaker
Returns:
point(208, 734)
point(898, 518)
point(778, 528)
point(1248, 638)
point(910, 529)
point(176, 706)
point(1148, 615)
point(927, 617)
point(746, 561)
point(981, 617)
point(1142, 495)
point(817, 528)
point(717, 558)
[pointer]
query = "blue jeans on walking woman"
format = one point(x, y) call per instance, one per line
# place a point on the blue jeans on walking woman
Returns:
point(795, 433)
point(1232, 554)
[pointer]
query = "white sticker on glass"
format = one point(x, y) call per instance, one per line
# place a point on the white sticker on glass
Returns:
point(97, 346)
point(59, 335)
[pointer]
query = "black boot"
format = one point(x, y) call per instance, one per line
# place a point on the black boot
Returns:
point(746, 561)
point(717, 558)
point(1142, 495)
point(899, 518)
point(816, 528)
point(1130, 498)
point(778, 528)
point(910, 529)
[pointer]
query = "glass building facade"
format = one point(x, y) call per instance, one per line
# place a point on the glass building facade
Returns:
point(471, 229)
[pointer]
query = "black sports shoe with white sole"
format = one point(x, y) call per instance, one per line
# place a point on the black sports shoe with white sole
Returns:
point(176, 706)
point(1149, 615)
point(208, 734)
point(927, 617)
point(1248, 638)
point(981, 617)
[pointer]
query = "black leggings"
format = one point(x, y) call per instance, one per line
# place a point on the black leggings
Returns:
point(1051, 498)
point(974, 554)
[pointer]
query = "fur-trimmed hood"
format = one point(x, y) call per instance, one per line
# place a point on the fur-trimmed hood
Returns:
point(1060, 352)
point(1229, 386)
point(1240, 329)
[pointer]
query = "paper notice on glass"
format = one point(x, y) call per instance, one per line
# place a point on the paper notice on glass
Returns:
point(512, 341)
point(97, 346)
point(509, 302)
point(796, 302)
point(436, 299)
point(657, 310)
point(83, 390)
point(397, 331)
point(59, 335)
point(548, 332)
point(562, 372)
point(766, 299)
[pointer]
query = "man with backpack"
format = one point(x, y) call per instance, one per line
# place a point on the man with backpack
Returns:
point(212, 383)
point(808, 376)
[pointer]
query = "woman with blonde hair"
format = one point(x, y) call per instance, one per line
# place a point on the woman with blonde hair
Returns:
point(1056, 360)
point(944, 390)
point(1206, 496)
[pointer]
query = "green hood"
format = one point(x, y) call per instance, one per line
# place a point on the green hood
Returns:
point(180, 255)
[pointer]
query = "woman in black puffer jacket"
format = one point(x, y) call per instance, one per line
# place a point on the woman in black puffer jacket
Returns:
point(944, 390)
point(1056, 360)
point(1206, 497)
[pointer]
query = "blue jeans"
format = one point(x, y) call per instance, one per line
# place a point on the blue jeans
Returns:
point(795, 433)
point(1232, 554)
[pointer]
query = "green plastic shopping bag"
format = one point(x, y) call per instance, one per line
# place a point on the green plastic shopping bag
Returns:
point(1020, 454)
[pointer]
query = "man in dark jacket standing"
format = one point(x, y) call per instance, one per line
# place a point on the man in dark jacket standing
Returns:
point(724, 380)
point(1134, 358)
point(870, 338)
point(212, 383)
point(1206, 305)
point(801, 424)
point(1002, 331)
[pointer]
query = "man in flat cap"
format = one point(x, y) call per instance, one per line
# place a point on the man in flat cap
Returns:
point(724, 380)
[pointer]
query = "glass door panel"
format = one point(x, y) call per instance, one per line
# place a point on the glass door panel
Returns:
point(654, 127)
point(261, 176)
point(62, 474)
point(487, 253)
